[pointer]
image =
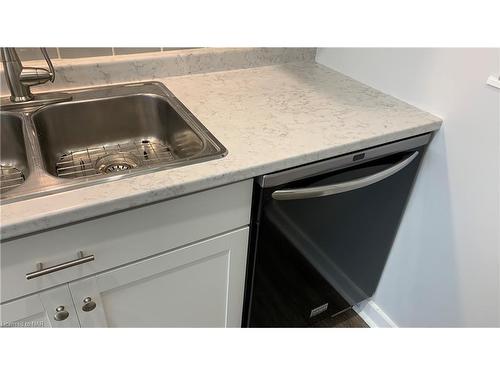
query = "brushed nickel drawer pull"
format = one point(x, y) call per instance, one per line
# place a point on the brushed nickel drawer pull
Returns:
point(45, 271)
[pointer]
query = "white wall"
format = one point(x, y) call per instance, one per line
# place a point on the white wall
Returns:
point(444, 267)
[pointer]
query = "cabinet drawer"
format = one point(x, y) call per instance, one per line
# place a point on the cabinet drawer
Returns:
point(122, 238)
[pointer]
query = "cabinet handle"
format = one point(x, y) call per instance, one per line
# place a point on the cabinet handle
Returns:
point(45, 271)
point(61, 314)
point(89, 305)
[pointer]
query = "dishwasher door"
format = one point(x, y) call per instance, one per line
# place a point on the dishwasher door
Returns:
point(320, 242)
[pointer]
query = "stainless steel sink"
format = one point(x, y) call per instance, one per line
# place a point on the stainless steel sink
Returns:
point(13, 159)
point(104, 133)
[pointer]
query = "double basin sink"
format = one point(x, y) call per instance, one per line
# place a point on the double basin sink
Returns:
point(101, 134)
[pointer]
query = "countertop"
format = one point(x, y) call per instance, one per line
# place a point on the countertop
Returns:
point(268, 117)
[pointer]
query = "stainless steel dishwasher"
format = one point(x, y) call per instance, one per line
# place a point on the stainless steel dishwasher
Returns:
point(321, 233)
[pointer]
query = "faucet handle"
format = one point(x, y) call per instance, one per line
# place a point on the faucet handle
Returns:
point(52, 72)
point(35, 76)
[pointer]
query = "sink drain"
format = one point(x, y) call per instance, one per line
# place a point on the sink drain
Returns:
point(116, 162)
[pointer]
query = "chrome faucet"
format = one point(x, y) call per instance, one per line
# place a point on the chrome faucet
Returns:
point(20, 79)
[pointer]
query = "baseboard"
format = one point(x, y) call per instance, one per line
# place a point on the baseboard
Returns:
point(373, 315)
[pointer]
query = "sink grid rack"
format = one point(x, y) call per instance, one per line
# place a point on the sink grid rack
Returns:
point(10, 177)
point(82, 163)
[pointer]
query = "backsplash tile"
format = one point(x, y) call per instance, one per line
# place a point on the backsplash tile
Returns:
point(130, 50)
point(34, 53)
point(177, 48)
point(76, 52)
point(151, 66)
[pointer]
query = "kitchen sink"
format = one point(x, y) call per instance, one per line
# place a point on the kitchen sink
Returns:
point(103, 133)
point(80, 139)
point(13, 159)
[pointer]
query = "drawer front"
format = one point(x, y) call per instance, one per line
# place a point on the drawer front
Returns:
point(121, 238)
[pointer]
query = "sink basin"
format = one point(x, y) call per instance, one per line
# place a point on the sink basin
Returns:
point(102, 134)
point(13, 159)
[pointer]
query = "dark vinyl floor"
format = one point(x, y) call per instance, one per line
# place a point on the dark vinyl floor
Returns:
point(347, 319)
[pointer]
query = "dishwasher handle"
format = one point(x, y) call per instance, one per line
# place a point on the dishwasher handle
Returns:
point(321, 191)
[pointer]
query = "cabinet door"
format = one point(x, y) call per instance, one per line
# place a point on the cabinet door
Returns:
point(26, 312)
point(51, 308)
point(200, 285)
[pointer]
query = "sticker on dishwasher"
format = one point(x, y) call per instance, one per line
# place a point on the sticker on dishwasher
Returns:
point(318, 310)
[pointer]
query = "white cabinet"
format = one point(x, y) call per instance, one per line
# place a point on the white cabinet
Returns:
point(178, 263)
point(199, 285)
point(121, 238)
point(51, 308)
point(195, 286)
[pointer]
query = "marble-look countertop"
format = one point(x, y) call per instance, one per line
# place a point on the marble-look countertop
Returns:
point(269, 118)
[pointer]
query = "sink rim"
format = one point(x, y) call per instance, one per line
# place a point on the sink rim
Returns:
point(41, 182)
